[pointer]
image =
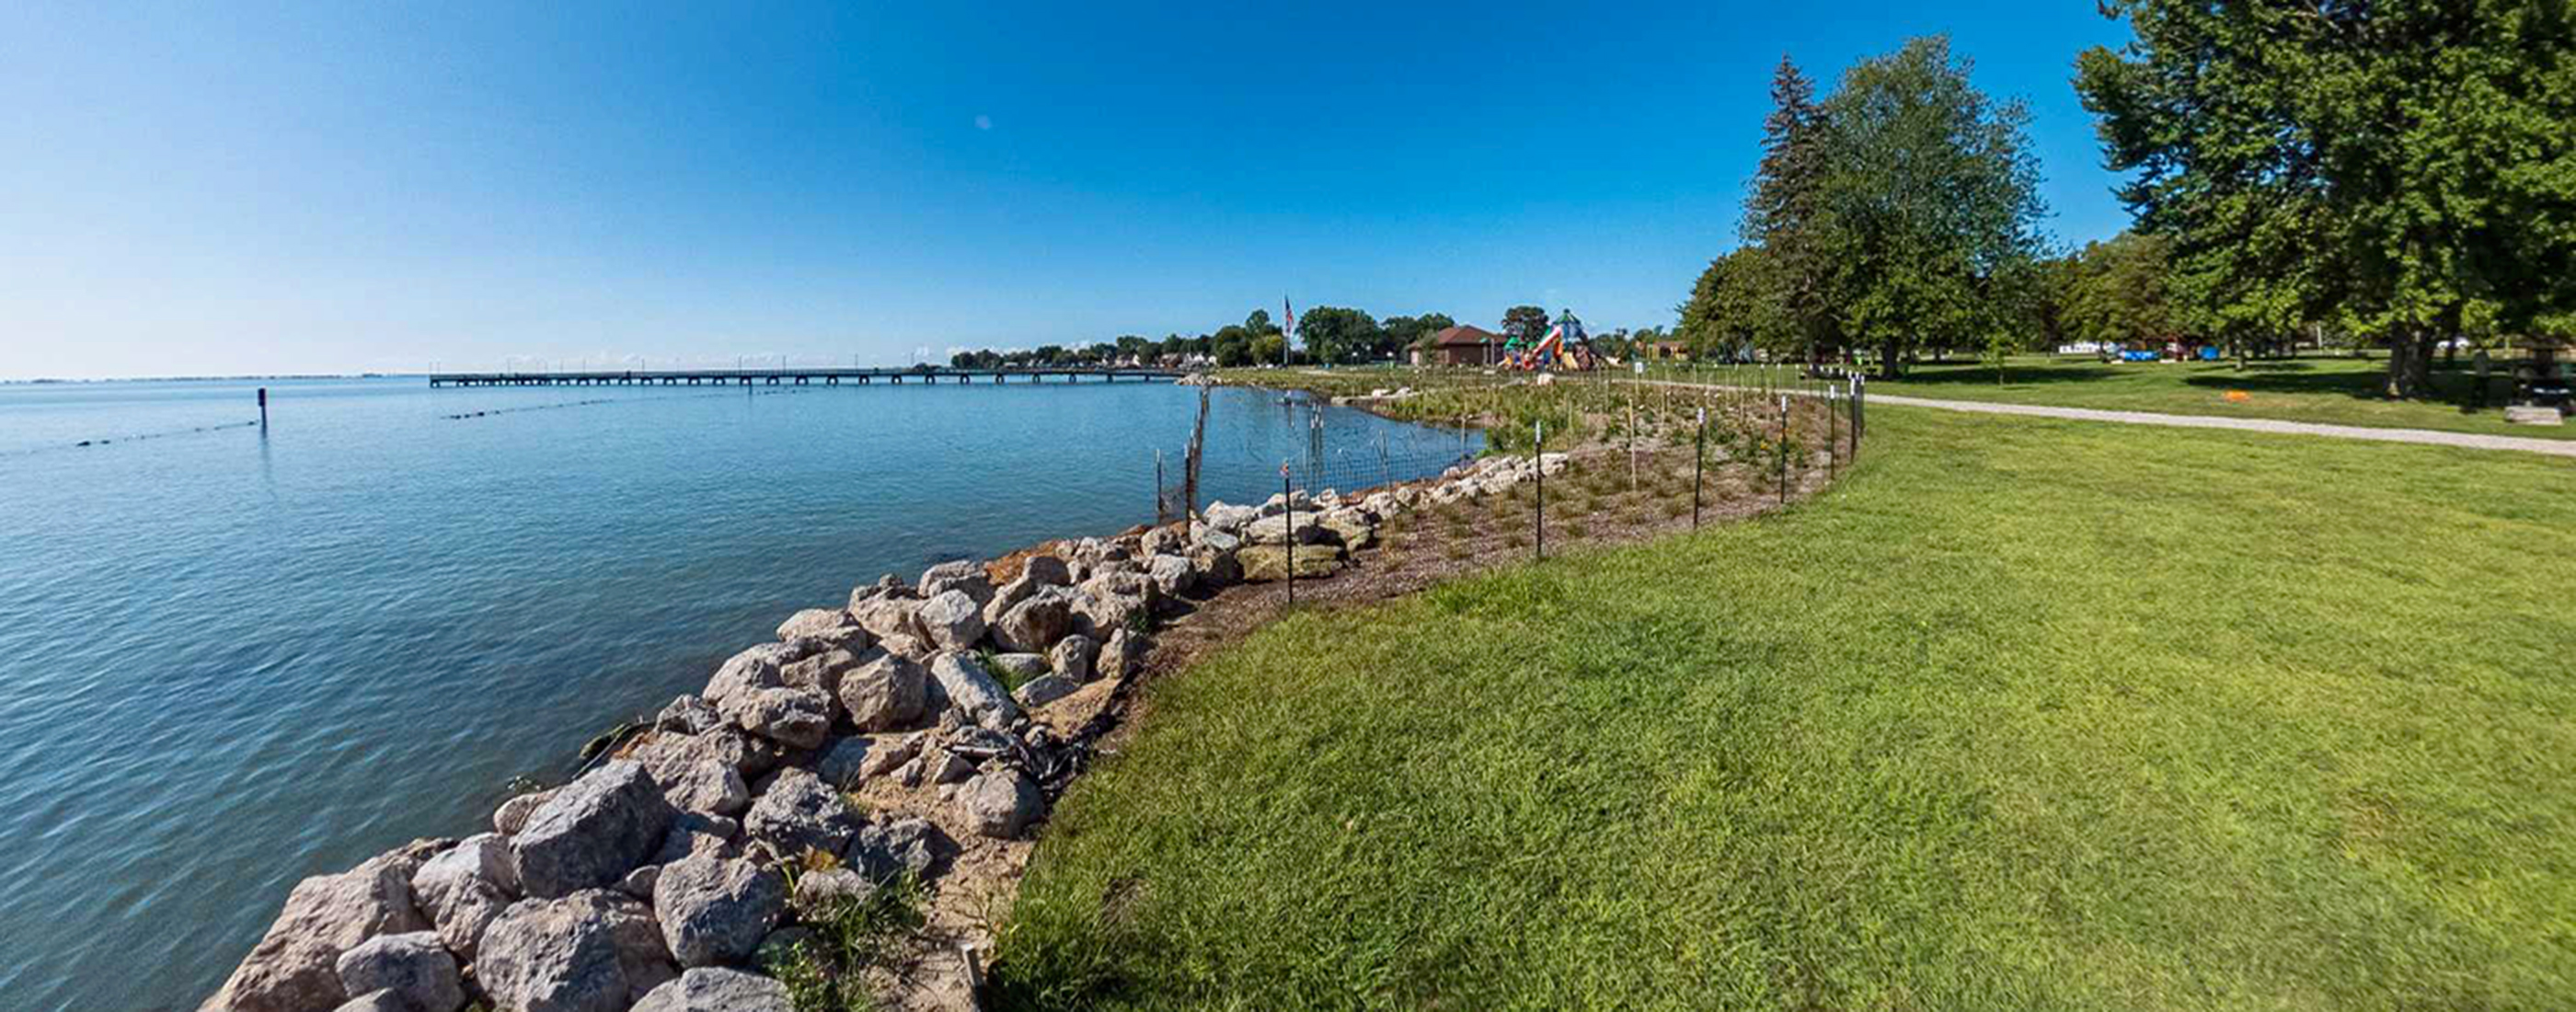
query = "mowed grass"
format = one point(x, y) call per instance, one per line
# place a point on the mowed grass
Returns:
point(2024, 714)
point(2330, 390)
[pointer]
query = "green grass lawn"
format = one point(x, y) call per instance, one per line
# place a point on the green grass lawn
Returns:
point(2337, 391)
point(2025, 714)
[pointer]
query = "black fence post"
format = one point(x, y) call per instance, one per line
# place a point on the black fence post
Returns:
point(1288, 499)
point(1833, 436)
point(1538, 455)
point(1699, 460)
point(1784, 449)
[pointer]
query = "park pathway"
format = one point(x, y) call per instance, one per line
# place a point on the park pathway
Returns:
point(2431, 437)
point(2472, 440)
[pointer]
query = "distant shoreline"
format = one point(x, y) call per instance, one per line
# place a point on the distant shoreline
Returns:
point(63, 381)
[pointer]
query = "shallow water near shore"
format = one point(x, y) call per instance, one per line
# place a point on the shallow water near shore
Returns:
point(231, 658)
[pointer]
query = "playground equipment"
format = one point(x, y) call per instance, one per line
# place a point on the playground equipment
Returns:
point(1565, 347)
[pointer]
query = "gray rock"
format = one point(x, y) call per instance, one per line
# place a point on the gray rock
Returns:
point(706, 787)
point(1350, 527)
point(1223, 541)
point(376, 1001)
point(1123, 654)
point(1035, 624)
point(817, 892)
point(908, 845)
point(844, 762)
point(716, 911)
point(592, 832)
point(1045, 689)
point(973, 691)
point(889, 616)
point(797, 813)
point(866, 592)
point(1073, 657)
point(1275, 530)
point(1163, 540)
point(592, 951)
point(796, 718)
point(714, 989)
point(1017, 667)
point(946, 767)
point(887, 693)
point(1172, 574)
point(1213, 567)
point(952, 621)
point(822, 672)
point(1047, 569)
point(828, 624)
point(640, 882)
point(513, 814)
point(413, 965)
point(756, 668)
point(699, 836)
point(666, 754)
point(688, 715)
point(964, 575)
point(463, 890)
point(295, 966)
point(1230, 518)
point(1098, 612)
point(1000, 803)
point(1268, 563)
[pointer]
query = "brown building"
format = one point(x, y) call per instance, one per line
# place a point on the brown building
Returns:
point(1466, 345)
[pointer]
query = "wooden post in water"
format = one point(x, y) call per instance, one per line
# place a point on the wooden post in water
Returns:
point(263, 409)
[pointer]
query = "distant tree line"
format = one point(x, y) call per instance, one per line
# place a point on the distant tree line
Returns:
point(1325, 335)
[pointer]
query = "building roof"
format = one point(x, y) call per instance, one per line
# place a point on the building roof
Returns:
point(1464, 334)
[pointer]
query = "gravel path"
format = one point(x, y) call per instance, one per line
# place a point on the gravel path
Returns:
point(2472, 440)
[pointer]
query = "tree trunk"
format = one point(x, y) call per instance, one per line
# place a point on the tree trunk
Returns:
point(2410, 361)
point(1887, 359)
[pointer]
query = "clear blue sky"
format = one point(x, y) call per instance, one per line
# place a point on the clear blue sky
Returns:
point(224, 188)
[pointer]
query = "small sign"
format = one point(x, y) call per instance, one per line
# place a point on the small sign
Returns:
point(1639, 365)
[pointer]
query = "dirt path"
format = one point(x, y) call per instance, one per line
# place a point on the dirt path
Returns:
point(2470, 440)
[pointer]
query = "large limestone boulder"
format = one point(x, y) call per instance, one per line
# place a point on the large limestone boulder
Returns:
point(965, 576)
point(1000, 803)
point(513, 815)
point(1214, 568)
point(1268, 563)
point(1035, 624)
point(1123, 654)
point(1172, 575)
point(714, 989)
point(974, 691)
point(592, 832)
point(887, 692)
point(796, 718)
point(705, 787)
point(376, 1001)
point(665, 754)
point(799, 812)
point(688, 715)
point(1350, 527)
point(463, 890)
point(1017, 667)
point(1073, 656)
point(952, 621)
point(413, 965)
point(889, 616)
point(716, 911)
point(1230, 518)
point(1047, 570)
point(1044, 689)
point(593, 951)
point(1308, 529)
point(822, 672)
point(756, 668)
point(898, 846)
point(295, 966)
point(828, 624)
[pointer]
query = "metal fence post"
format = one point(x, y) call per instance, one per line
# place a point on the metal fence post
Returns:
point(1833, 437)
point(1288, 499)
point(1538, 455)
point(1784, 449)
point(1699, 459)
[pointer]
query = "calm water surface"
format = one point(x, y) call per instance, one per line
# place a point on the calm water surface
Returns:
point(229, 659)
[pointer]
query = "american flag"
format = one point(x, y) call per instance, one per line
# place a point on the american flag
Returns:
point(1290, 324)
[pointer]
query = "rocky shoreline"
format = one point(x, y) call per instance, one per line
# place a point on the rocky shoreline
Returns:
point(908, 743)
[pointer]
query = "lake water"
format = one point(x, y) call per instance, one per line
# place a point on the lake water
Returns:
point(231, 658)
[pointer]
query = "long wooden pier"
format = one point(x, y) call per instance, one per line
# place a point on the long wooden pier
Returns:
point(793, 377)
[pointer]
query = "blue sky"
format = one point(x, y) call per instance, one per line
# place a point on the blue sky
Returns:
point(229, 188)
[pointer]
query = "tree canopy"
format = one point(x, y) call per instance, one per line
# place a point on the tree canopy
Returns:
point(2402, 169)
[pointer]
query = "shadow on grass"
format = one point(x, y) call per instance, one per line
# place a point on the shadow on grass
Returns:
point(1966, 373)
